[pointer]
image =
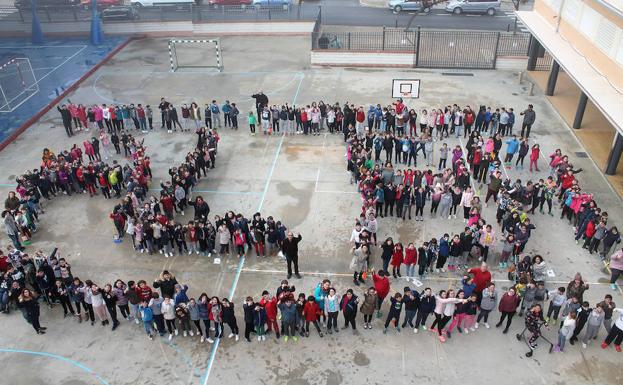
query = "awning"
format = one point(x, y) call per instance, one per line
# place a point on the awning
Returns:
point(591, 82)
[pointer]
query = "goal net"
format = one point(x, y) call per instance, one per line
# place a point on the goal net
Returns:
point(195, 53)
point(17, 83)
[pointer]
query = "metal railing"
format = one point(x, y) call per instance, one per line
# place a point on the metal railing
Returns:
point(386, 40)
point(513, 44)
point(431, 48)
point(396, 39)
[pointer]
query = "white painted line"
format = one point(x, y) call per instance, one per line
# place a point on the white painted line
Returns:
point(240, 266)
point(317, 177)
point(62, 63)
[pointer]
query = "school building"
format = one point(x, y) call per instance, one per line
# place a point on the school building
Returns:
point(581, 44)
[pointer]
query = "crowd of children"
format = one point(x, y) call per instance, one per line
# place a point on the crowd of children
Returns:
point(173, 310)
point(74, 171)
point(150, 223)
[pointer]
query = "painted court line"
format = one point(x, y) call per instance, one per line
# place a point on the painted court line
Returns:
point(215, 346)
point(60, 358)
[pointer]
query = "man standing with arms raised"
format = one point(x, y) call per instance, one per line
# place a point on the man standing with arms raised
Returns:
point(529, 116)
point(261, 101)
point(290, 248)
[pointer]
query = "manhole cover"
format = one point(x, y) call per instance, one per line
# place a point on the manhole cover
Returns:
point(581, 154)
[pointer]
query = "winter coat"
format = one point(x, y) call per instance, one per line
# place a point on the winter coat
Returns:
point(359, 260)
point(311, 310)
point(369, 303)
point(509, 303)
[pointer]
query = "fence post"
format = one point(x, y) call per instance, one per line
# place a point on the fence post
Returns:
point(349, 41)
point(73, 10)
point(21, 15)
point(383, 43)
point(497, 45)
point(298, 12)
point(47, 12)
point(417, 46)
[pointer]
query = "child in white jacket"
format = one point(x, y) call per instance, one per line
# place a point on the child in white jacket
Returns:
point(168, 313)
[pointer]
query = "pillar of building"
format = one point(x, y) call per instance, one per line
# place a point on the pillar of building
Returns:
point(579, 113)
point(533, 53)
point(615, 155)
point(553, 77)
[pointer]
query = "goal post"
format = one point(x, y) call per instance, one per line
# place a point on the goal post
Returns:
point(192, 53)
point(17, 83)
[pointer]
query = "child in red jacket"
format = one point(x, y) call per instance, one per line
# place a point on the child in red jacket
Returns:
point(270, 305)
point(311, 312)
point(397, 258)
point(381, 285)
point(239, 241)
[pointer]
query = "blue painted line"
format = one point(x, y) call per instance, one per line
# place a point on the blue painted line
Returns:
point(206, 376)
point(185, 357)
point(8, 184)
point(60, 358)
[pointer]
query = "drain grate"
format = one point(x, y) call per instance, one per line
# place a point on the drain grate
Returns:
point(456, 74)
point(581, 154)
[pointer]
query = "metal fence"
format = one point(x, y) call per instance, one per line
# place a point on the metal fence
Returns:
point(185, 12)
point(431, 48)
point(456, 49)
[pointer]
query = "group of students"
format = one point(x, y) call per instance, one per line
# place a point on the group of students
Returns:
point(71, 172)
point(114, 118)
point(148, 220)
point(26, 281)
point(191, 116)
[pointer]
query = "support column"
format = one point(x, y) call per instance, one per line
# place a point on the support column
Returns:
point(97, 36)
point(579, 113)
point(533, 53)
point(615, 155)
point(37, 33)
point(553, 77)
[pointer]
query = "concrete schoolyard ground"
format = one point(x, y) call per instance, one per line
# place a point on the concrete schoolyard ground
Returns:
point(302, 181)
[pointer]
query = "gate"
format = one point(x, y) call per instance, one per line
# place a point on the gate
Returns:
point(457, 49)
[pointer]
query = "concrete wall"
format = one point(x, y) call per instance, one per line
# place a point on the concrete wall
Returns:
point(393, 59)
point(155, 28)
point(362, 59)
point(514, 63)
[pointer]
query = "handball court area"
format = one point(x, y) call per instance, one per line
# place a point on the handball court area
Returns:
point(302, 181)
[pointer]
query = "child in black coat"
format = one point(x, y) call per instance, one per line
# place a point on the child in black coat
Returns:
point(394, 312)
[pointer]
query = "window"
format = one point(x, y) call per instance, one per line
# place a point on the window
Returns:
point(571, 11)
point(589, 22)
point(554, 5)
point(606, 34)
point(619, 53)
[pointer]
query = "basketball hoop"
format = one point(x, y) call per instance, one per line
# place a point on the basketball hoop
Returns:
point(405, 94)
